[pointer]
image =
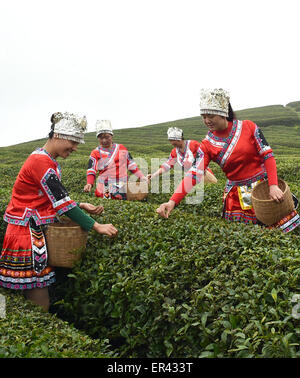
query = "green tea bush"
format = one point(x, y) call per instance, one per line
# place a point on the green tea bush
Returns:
point(26, 331)
point(189, 286)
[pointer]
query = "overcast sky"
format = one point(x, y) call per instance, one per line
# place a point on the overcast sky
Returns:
point(139, 62)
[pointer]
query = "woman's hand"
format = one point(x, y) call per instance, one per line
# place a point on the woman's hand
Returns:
point(276, 193)
point(105, 229)
point(165, 209)
point(92, 209)
point(157, 173)
point(87, 188)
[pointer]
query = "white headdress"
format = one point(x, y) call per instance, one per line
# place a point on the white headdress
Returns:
point(214, 101)
point(102, 127)
point(174, 133)
point(69, 126)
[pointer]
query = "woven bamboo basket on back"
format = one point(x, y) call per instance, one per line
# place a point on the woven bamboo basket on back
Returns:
point(137, 191)
point(66, 242)
point(268, 211)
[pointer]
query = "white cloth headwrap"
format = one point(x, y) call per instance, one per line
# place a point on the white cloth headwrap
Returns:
point(214, 101)
point(70, 126)
point(103, 127)
point(174, 133)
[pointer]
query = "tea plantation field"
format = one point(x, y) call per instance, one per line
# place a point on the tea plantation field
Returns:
point(192, 285)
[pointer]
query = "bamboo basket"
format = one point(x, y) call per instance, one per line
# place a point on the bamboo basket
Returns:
point(66, 242)
point(209, 178)
point(137, 191)
point(268, 211)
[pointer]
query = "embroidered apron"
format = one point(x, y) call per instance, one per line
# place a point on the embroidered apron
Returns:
point(39, 247)
point(109, 185)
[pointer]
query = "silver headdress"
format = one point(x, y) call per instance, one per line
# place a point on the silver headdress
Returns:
point(69, 126)
point(103, 127)
point(175, 133)
point(214, 101)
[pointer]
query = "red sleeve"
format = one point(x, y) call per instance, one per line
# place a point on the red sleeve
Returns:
point(90, 179)
point(183, 189)
point(271, 169)
point(92, 167)
point(166, 166)
point(262, 146)
point(266, 153)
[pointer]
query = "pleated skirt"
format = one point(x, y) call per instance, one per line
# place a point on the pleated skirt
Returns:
point(16, 262)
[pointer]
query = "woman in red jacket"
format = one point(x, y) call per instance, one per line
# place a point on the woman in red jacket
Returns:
point(38, 196)
point(110, 161)
point(183, 153)
point(240, 149)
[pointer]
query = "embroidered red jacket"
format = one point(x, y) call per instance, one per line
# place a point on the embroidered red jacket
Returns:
point(241, 151)
point(112, 164)
point(38, 192)
point(185, 159)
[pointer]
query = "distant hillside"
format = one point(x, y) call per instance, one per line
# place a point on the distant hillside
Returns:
point(274, 119)
point(146, 139)
point(295, 105)
point(271, 115)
